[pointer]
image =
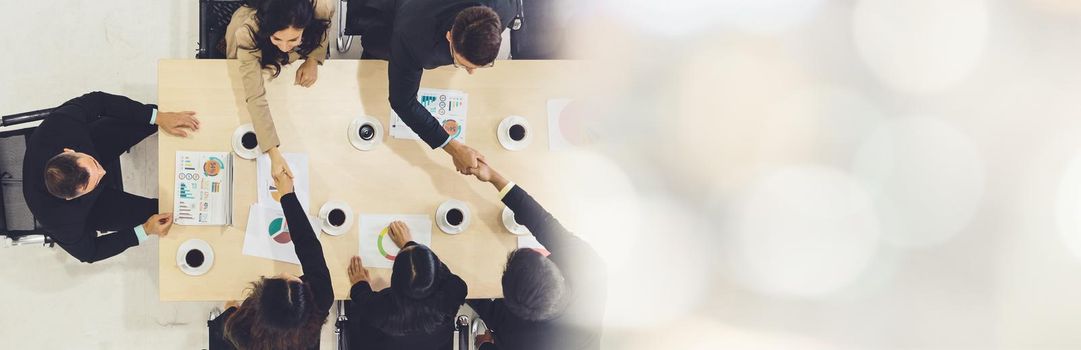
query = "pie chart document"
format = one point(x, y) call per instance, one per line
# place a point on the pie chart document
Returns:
point(376, 247)
point(268, 234)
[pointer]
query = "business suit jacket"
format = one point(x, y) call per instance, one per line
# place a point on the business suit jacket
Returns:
point(68, 222)
point(579, 326)
point(418, 42)
point(240, 45)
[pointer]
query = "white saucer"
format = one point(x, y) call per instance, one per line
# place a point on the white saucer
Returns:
point(325, 211)
point(238, 147)
point(441, 212)
point(503, 133)
point(354, 137)
point(193, 244)
point(511, 225)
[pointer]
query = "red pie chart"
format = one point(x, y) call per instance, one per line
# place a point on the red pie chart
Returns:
point(279, 231)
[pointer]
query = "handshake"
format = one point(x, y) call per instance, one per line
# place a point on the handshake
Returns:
point(470, 162)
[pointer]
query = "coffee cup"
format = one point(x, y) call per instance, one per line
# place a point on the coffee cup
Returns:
point(453, 216)
point(514, 133)
point(365, 133)
point(336, 217)
point(246, 142)
point(194, 257)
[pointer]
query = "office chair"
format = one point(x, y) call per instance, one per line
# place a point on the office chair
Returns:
point(464, 331)
point(358, 20)
point(17, 224)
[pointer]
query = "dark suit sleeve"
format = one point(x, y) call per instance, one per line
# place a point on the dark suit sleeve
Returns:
point(92, 248)
point(368, 306)
point(309, 251)
point(454, 288)
point(98, 104)
point(404, 76)
point(540, 222)
point(492, 311)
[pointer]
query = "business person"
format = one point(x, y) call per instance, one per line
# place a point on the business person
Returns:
point(65, 164)
point(266, 35)
point(553, 302)
point(417, 311)
point(426, 34)
point(284, 311)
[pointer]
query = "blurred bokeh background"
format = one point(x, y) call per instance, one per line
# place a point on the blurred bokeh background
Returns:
point(823, 174)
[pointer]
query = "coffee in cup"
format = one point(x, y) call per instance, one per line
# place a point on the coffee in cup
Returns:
point(194, 258)
point(455, 217)
point(336, 217)
point(517, 132)
point(249, 141)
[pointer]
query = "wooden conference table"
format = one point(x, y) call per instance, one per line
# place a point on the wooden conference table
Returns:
point(399, 177)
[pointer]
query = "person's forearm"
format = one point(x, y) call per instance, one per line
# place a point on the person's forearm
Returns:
point(498, 181)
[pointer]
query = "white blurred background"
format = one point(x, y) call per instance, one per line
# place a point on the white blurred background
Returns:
point(825, 174)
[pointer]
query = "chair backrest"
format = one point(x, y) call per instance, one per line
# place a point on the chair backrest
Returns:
point(23, 118)
point(15, 216)
point(214, 16)
point(543, 33)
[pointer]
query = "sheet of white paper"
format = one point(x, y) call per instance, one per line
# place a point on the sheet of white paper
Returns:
point(531, 242)
point(376, 247)
point(447, 106)
point(556, 140)
point(268, 192)
point(268, 236)
point(203, 188)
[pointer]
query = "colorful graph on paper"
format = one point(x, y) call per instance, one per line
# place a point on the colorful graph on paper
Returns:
point(448, 107)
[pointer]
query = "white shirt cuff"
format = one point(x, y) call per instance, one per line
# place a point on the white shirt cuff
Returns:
point(140, 233)
point(446, 142)
point(506, 189)
point(154, 117)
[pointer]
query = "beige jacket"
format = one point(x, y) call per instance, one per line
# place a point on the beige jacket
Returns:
point(241, 45)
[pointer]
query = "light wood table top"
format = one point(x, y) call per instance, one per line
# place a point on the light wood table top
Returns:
point(399, 177)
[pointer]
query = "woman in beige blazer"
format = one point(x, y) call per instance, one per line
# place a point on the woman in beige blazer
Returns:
point(267, 34)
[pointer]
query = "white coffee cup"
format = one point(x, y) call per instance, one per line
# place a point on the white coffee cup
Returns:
point(245, 142)
point(453, 216)
point(336, 217)
point(365, 133)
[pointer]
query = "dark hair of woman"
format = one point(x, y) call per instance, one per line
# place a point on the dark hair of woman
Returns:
point(278, 314)
point(275, 15)
point(414, 285)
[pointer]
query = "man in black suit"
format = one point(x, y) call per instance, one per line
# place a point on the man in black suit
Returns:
point(65, 163)
point(549, 302)
point(426, 34)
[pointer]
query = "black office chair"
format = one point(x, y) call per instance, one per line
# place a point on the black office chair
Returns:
point(371, 22)
point(464, 333)
point(214, 16)
point(544, 36)
point(17, 223)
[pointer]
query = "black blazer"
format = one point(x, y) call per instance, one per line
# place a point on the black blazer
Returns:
point(417, 42)
point(312, 263)
point(373, 308)
point(69, 127)
point(579, 327)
